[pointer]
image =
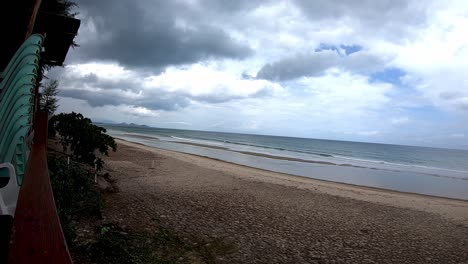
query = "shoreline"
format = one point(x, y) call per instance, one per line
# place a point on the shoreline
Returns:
point(450, 208)
point(293, 175)
point(320, 162)
point(267, 217)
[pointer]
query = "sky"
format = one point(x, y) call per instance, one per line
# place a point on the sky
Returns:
point(373, 71)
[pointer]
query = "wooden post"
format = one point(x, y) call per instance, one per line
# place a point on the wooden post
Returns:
point(35, 4)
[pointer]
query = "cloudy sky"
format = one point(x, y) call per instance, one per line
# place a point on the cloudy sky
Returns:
point(376, 71)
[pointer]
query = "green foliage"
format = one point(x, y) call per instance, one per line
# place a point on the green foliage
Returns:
point(59, 7)
point(74, 192)
point(82, 138)
point(115, 245)
point(48, 100)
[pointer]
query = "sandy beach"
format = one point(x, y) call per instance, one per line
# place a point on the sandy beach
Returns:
point(278, 218)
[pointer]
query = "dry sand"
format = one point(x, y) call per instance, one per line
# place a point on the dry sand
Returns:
point(278, 218)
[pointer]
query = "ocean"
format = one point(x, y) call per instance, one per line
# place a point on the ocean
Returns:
point(422, 170)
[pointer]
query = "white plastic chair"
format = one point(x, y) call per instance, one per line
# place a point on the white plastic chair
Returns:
point(9, 193)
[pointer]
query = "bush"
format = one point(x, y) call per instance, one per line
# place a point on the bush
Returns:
point(48, 97)
point(74, 192)
point(82, 138)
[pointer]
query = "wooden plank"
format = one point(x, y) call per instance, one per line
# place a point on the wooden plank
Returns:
point(37, 236)
point(32, 20)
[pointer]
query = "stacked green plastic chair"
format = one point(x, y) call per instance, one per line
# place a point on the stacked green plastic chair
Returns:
point(16, 100)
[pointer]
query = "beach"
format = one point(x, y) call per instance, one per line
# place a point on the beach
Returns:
point(278, 218)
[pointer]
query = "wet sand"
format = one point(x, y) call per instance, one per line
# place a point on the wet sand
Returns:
point(278, 218)
point(267, 155)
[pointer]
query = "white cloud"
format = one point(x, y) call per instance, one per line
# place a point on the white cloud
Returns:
point(346, 93)
point(437, 58)
point(112, 84)
point(425, 39)
point(457, 135)
point(138, 111)
point(368, 133)
point(400, 120)
point(203, 80)
point(108, 71)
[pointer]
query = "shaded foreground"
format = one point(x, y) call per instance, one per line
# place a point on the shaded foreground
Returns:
point(256, 216)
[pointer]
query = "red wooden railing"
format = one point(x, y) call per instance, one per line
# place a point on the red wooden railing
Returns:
point(37, 236)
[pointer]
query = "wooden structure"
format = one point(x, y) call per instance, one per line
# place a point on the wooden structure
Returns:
point(37, 236)
point(34, 234)
point(21, 18)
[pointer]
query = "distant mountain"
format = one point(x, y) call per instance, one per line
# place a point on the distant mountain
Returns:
point(124, 125)
point(103, 121)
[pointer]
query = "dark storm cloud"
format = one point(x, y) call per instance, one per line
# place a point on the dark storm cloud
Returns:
point(100, 92)
point(92, 80)
point(156, 99)
point(146, 34)
point(297, 66)
point(314, 64)
point(167, 101)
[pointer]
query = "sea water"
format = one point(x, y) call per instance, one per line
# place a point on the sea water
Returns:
point(422, 170)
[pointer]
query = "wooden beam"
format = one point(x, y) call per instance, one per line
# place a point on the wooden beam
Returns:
point(37, 236)
point(35, 4)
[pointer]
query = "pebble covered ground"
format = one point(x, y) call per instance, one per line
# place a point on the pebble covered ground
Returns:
point(272, 223)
